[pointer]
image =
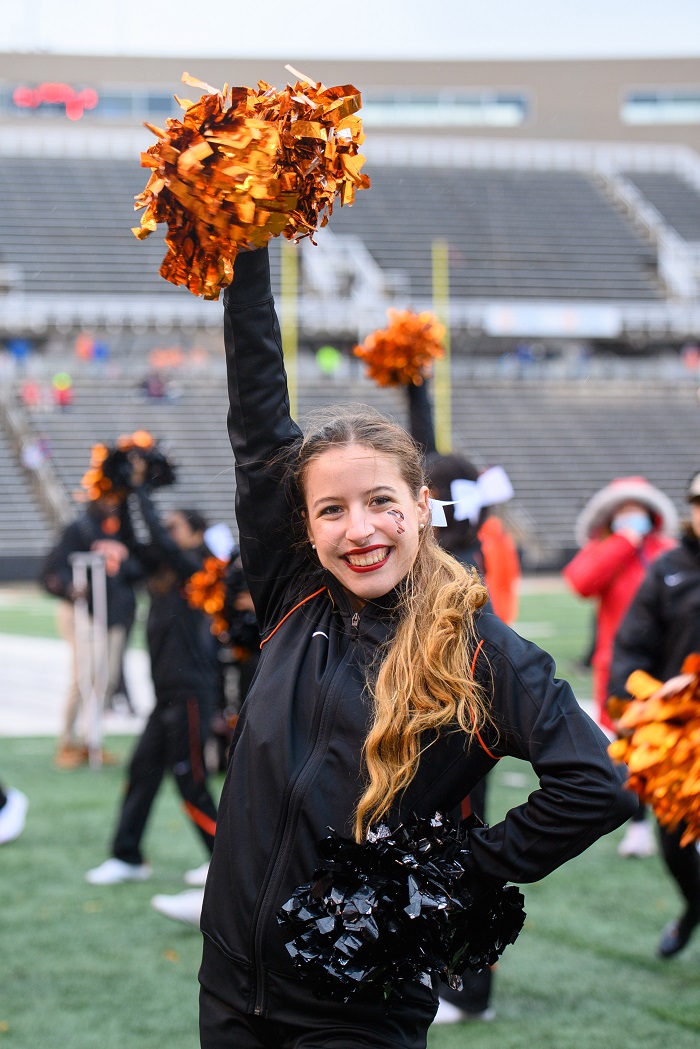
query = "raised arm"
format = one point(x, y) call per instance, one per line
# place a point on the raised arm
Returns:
point(261, 430)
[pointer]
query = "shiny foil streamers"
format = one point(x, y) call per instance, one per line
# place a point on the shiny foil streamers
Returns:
point(244, 165)
point(403, 353)
point(111, 468)
point(660, 745)
point(206, 590)
point(397, 908)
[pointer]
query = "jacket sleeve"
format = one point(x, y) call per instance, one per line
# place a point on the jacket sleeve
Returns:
point(594, 567)
point(262, 433)
point(57, 571)
point(420, 413)
point(151, 535)
point(639, 639)
point(581, 794)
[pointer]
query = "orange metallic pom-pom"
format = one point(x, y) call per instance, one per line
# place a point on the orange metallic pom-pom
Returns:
point(403, 353)
point(206, 590)
point(244, 165)
point(661, 746)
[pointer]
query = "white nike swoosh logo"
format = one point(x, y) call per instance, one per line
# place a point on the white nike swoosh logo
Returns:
point(319, 633)
point(674, 578)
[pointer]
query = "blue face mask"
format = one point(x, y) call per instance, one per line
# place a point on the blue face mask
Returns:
point(635, 521)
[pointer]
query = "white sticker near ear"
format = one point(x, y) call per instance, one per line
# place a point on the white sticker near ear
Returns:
point(437, 513)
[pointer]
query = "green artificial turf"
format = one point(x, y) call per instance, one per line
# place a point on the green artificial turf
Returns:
point(87, 967)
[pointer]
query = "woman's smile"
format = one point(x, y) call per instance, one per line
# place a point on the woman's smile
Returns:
point(367, 560)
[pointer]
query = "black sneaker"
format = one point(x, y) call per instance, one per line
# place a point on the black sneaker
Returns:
point(677, 934)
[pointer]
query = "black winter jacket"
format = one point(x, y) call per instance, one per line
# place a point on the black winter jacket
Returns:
point(181, 648)
point(296, 767)
point(662, 625)
point(78, 537)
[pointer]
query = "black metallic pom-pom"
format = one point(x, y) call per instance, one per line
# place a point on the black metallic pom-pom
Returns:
point(118, 467)
point(400, 907)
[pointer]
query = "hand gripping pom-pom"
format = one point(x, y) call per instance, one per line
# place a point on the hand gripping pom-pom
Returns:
point(399, 908)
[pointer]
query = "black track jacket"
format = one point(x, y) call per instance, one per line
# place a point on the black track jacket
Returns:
point(662, 625)
point(296, 768)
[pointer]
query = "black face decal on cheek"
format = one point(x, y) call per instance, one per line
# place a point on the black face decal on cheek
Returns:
point(398, 517)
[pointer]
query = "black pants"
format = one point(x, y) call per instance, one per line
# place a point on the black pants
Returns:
point(172, 741)
point(221, 1027)
point(303, 1021)
point(683, 864)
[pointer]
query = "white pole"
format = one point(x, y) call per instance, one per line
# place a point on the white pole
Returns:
point(91, 646)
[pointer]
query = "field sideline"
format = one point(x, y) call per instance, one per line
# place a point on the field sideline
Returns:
point(84, 966)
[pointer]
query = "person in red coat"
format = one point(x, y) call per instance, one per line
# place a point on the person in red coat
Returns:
point(621, 530)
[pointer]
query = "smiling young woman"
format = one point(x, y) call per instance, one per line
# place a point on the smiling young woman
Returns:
point(384, 690)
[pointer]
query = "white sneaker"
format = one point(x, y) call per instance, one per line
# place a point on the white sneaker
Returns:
point(449, 1014)
point(638, 840)
point(184, 907)
point(13, 815)
point(197, 876)
point(114, 872)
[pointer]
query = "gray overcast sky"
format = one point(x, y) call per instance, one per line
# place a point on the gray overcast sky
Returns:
point(355, 29)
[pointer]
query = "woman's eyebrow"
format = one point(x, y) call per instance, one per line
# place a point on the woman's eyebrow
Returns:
point(365, 495)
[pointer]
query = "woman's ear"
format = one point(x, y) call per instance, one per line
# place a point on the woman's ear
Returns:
point(424, 505)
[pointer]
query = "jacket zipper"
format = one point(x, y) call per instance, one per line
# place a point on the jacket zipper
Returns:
point(295, 795)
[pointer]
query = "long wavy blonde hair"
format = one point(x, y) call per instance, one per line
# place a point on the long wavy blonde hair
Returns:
point(422, 683)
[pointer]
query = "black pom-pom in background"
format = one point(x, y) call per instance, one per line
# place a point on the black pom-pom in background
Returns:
point(118, 467)
point(399, 907)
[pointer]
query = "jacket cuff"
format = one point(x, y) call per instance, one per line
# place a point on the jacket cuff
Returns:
point(251, 279)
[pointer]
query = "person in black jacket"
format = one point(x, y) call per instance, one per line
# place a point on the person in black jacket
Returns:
point(180, 647)
point(369, 635)
point(661, 628)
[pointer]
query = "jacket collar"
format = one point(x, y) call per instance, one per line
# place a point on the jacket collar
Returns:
point(378, 609)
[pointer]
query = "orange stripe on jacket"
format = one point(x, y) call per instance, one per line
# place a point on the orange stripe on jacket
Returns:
point(476, 731)
point(291, 610)
point(207, 824)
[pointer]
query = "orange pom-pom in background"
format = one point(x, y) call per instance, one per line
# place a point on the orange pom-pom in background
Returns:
point(660, 744)
point(403, 353)
point(206, 590)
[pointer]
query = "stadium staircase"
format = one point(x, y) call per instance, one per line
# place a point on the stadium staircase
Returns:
point(26, 523)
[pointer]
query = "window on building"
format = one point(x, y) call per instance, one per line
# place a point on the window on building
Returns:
point(444, 109)
point(662, 106)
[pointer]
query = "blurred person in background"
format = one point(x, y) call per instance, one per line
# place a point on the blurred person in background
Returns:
point(661, 628)
point(13, 813)
point(480, 540)
point(626, 526)
point(99, 525)
point(180, 646)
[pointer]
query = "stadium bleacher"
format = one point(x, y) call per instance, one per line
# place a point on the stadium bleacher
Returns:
point(677, 201)
point(24, 530)
point(514, 234)
point(559, 441)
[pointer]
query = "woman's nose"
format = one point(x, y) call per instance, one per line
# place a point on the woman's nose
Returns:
point(359, 527)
